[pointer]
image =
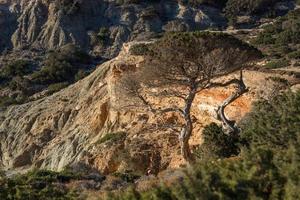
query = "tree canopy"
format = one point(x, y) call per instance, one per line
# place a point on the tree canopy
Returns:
point(180, 65)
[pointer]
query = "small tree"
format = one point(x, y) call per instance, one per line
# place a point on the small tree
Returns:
point(180, 65)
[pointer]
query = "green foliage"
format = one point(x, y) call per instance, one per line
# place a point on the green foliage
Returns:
point(192, 47)
point(15, 68)
point(217, 144)
point(277, 64)
point(56, 87)
point(128, 177)
point(281, 37)
point(279, 80)
point(235, 8)
point(294, 55)
point(60, 66)
point(68, 7)
point(103, 35)
point(139, 49)
point(81, 74)
point(112, 138)
point(273, 125)
point(216, 3)
point(38, 184)
point(7, 101)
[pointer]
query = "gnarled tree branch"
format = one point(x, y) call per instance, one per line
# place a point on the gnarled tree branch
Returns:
point(229, 125)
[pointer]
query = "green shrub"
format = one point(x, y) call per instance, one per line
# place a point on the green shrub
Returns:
point(56, 87)
point(216, 3)
point(139, 49)
point(112, 137)
point(54, 71)
point(60, 66)
point(282, 36)
point(103, 35)
point(128, 177)
point(68, 7)
point(279, 80)
point(273, 124)
point(38, 184)
point(15, 68)
point(294, 55)
point(81, 74)
point(217, 144)
point(277, 64)
point(235, 8)
point(7, 101)
point(266, 38)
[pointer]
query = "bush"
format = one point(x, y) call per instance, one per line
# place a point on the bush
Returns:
point(68, 7)
point(112, 137)
point(217, 144)
point(56, 87)
point(15, 68)
point(103, 35)
point(235, 8)
point(139, 49)
point(294, 55)
point(277, 64)
point(60, 66)
point(81, 74)
point(37, 184)
point(7, 101)
point(54, 71)
point(283, 36)
point(280, 80)
point(273, 125)
point(127, 177)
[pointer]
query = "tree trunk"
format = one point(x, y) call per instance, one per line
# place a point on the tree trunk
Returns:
point(228, 125)
point(184, 138)
point(186, 132)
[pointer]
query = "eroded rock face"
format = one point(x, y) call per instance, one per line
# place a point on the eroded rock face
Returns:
point(68, 127)
point(50, 24)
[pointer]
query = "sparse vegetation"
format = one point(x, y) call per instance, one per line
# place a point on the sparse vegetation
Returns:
point(56, 87)
point(38, 184)
point(248, 7)
point(277, 64)
point(282, 38)
point(112, 137)
point(128, 177)
point(139, 49)
point(103, 36)
point(68, 7)
point(61, 65)
point(14, 68)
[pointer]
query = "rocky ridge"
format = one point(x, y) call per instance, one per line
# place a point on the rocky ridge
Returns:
point(48, 24)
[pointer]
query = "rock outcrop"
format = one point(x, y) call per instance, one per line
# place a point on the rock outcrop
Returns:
point(48, 24)
point(82, 124)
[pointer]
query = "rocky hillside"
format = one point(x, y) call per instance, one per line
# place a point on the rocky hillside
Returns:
point(102, 26)
point(96, 25)
point(80, 124)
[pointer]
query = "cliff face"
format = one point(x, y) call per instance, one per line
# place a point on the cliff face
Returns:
point(49, 24)
point(71, 125)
